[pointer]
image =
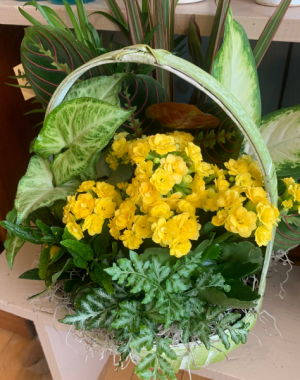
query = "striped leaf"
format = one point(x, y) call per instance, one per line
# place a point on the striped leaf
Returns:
point(287, 233)
point(134, 22)
point(221, 143)
point(48, 55)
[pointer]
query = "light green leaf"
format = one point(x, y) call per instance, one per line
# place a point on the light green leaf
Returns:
point(82, 249)
point(102, 88)
point(281, 132)
point(36, 190)
point(79, 128)
point(235, 68)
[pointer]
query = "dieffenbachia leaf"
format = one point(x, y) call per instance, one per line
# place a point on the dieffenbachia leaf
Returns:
point(221, 143)
point(281, 133)
point(79, 128)
point(102, 88)
point(36, 190)
point(48, 55)
point(234, 67)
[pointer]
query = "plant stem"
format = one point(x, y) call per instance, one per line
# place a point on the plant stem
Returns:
point(223, 237)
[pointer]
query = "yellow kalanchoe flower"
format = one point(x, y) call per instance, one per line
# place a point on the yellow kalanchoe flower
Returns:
point(75, 230)
point(263, 235)
point(193, 152)
point(236, 167)
point(176, 166)
point(267, 214)
point(162, 144)
point(294, 190)
point(289, 181)
point(93, 223)
point(124, 216)
point(257, 195)
point(138, 151)
point(112, 161)
point(130, 240)
point(86, 186)
point(241, 222)
point(104, 190)
point(105, 207)
point(83, 206)
point(182, 139)
point(180, 247)
point(144, 168)
point(287, 204)
point(220, 219)
point(120, 147)
point(163, 181)
point(142, 227)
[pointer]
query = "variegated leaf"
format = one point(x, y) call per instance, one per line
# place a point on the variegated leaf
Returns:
point(234, 67)
point(36, 189)
point(77, 128)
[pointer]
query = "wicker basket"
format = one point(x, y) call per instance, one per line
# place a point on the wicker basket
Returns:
point(204, 82)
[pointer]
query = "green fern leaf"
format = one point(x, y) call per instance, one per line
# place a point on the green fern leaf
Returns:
point(223, 336)
point(163, 347)
point(145, 339)
point(166, 368)
point(203, 331)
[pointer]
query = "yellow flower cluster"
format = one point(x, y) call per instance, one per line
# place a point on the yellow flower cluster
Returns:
point(89, 207)
point(290, 200)
point(172, 181)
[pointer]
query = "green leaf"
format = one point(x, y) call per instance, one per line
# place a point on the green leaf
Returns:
point(211, 253)
point(280, 131)
point(216, 297)
point(216, 33)
point(208, 280)
point(55, 270)
point(203, 331)
point(166, 367)
point(57, 233)
point(144, 339)
point(67, 235)
point(12, 243)
point(243, 252)
point(32, 274)
point(67, 266)
point(202, 246)
point(162, 253)
point(36, 190)
point(234, 67)
point(43, 227)
point(223, 336)
point(147, 362)
point(238, 270)
point(82, 249)
point(44, 262)
point(134, 22)
point(163, 347)
point(269, 31)
point(241, 291)
point(101, 243)
point(24, 233)
point(83, 126)
point(102, 88)
point(239, 332)
point(102, 278)
point(123, 173)
point(128, 317)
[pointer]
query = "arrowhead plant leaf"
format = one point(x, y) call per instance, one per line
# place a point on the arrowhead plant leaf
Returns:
point(36, 189)
point(77, 129)
point(234, 67)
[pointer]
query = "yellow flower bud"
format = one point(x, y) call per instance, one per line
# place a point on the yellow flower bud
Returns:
point(263, 235)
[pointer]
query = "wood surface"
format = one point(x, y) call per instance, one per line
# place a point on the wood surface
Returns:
point(17, 325)
point(21, 358)
point(252, 16)
point(109, 373)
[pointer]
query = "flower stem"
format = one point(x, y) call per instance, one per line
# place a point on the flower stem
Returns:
point(223, 237)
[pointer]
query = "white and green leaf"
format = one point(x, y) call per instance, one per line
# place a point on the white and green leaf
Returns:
point(77, 129)
point(36, 189)
point(104, 88)
point(281, 133)
point(234, 67)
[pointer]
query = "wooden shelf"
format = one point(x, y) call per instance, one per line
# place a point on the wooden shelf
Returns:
point(251, 15)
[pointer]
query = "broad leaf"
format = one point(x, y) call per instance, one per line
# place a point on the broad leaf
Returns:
point(36, 190)
point(241, 252)
point(82, 249)
point(48, 55)
point(281, 133)
point(44, 262)
point(235, 68)
point(25, 233)
point(221, 143)
point(216, 297)
point(102, 88)
point(80, 127)
point(31, 274)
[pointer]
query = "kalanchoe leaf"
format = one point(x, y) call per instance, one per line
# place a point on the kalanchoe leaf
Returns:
point(241, 252)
